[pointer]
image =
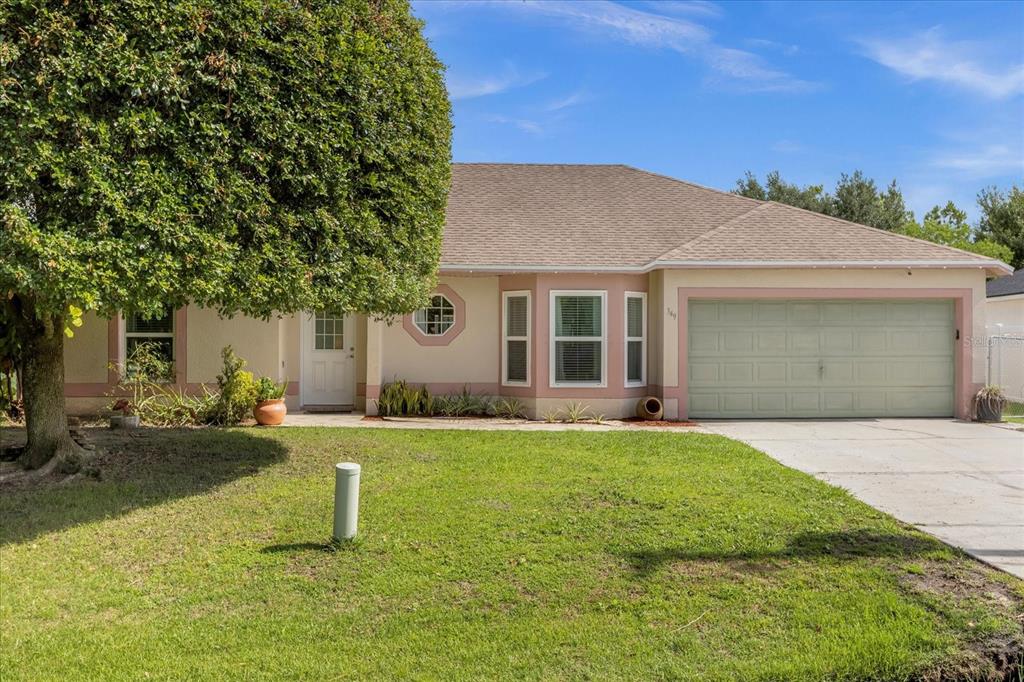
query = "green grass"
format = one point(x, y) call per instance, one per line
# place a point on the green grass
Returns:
point(205, 554)
point(1014, 412)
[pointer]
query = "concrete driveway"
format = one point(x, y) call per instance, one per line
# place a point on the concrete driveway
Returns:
point(962, 482)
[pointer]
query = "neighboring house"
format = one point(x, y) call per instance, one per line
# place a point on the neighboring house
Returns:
point(1004, 318)
point(604, 283)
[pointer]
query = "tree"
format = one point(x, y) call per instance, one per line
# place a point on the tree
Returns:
point(1002, 221)
point(948, 226)
point(811, 197)
point(856, 198)
point(253, 156)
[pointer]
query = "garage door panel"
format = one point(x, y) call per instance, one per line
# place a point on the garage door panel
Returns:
point(734, 341)
point(801, 402)
point(820, 358)
point(837, 341)
point(741, 373)
point(772, 373)
point(870, 342)
point(771, 312)
point(771, 341)
point(801, 312)
point(704, 373)
point(868, 313)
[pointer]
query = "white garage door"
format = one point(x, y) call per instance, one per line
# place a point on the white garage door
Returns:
point(820, 358)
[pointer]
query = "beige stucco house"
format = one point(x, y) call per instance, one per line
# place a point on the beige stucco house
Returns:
point(605, 283)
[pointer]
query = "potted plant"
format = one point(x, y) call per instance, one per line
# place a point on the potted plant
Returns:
point(127, 419)
point(270, 408)
point(989, 403)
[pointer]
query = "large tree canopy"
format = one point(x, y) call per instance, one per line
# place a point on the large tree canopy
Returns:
point(1002, 220)
point(1000, 233)
point(255, 156)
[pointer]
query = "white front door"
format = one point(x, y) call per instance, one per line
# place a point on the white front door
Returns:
point(328, 358)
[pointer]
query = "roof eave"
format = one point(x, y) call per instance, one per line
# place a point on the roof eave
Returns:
point(993, 267)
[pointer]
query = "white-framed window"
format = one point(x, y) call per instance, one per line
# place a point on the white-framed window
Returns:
point(636, 338)
point(437, 318)
point(579, 333)
point(157, 332)
point(515, 342)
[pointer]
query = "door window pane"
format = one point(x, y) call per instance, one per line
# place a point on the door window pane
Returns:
point(329, 326)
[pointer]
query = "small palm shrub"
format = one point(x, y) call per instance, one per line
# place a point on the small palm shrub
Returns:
point(510, 408)
point(401, 399)
point(552, 416)
point(576, 412)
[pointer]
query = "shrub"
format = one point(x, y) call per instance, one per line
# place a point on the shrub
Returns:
point(144, 378)
point(399, 399)
point(237, 389)
point(268, 389)
point(510, 408)
point(576, 412)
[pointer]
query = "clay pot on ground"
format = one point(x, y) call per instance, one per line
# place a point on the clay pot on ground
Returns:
point(270, 412)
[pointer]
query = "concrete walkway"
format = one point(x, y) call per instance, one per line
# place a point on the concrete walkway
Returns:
point(962, 482)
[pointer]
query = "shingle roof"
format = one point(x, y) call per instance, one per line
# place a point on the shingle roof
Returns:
point(535, 216)
point(1006, 286)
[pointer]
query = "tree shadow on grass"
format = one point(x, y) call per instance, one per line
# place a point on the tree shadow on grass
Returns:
point(137, 469)
point(853, 544)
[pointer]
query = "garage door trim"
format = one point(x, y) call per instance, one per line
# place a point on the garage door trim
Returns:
point(962, 321)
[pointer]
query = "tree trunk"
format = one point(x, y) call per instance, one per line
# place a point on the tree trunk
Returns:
point(46, 422)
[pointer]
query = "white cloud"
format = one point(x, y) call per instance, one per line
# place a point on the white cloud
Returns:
point(785, 48)
point(996, 159)
point(930, 56)
point(570, 100)
point(732, 68)
point(523, 124)
point(468, 88)
point(691, 7)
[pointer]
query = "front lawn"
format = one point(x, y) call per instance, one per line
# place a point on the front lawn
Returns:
point(204, 554)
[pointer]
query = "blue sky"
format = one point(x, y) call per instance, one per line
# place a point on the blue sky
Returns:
point(931, 94)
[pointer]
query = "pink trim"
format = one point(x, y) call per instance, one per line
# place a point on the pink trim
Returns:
point(372, 391)
point(360, 389)
point(963, 305)
point(460, 320)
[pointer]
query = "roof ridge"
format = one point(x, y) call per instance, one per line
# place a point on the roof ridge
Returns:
point(691, 184)
point(880, 230)
point(760, 205)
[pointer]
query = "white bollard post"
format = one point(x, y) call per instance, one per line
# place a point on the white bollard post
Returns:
point(346, 500)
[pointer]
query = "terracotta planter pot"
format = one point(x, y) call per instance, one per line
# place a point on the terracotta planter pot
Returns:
point(650, 408)
point(270, 412)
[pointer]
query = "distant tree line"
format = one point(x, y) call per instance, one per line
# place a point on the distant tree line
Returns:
point(999, 232)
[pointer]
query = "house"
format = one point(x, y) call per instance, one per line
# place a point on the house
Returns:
point(605, 283)
point(1004, 317)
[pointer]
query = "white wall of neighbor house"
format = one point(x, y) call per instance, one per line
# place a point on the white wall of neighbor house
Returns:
point(1004, 316)
point(470, 358)
point(807, 278)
